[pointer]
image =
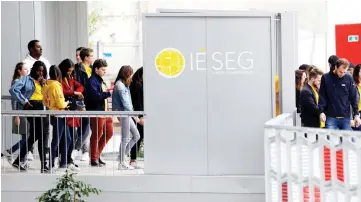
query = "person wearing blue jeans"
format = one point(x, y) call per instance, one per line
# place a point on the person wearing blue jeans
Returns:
point(337, 95)
point(59, 129)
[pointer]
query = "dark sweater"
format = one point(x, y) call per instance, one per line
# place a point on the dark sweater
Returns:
point(337, 95)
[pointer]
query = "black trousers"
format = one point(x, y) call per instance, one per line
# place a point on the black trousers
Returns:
point(134, 150)
point(39, 131)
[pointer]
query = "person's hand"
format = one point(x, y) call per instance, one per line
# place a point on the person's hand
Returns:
point(357, 121)
point(66, 104)
point(79, 94)
point(141, 121)
point(28, 105)
point(323, 117)
point(17, 120)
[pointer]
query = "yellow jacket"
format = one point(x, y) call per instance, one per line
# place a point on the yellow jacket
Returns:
point(53, 95)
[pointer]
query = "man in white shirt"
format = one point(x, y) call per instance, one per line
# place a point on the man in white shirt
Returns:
point(35, 54)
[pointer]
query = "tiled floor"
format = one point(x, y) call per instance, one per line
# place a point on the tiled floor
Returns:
point(111, 168)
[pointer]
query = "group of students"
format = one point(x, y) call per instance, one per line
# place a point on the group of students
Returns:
point(330, 100)
point(73, 87)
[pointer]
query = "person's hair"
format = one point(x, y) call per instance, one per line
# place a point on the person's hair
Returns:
point(356, 74)
point(138, 75)
point(298, 74)
point(303, 67)
point(79, 49)
point(124, 75)
point(342, 62)
point(18, 68)
point(31, 44)
point(351, 66)
point(99, 63)
point(64, 67)
point(36, 68)
point(332, 60)
point(315, 72)
point(85, 52)
point(55, 73)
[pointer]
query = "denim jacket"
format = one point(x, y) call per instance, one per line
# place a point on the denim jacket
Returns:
point(121, 98)
point(22, 89)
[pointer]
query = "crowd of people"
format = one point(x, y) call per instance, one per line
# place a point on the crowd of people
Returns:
point(329, 100)
point(73, 86)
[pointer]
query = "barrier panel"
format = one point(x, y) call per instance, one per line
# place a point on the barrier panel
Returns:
point(309, 164)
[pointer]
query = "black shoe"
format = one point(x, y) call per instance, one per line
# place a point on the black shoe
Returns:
point(22, 167)
point(101, 162)
point(96, 164)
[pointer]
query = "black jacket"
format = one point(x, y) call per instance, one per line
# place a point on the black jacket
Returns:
point(96, 95)
point(82, 77)
point(298, 102)
point(310, 112)
point(337, 95)
point(136, 91)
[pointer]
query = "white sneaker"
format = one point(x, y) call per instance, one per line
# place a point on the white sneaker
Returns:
point(124, 166)
point(74, 154)
point(73, 168)
point(135, 165)
point(30, 156)
point(85, 157)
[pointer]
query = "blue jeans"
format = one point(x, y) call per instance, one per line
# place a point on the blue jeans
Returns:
point(338, 123)
point(19, 144)
point(59, 128)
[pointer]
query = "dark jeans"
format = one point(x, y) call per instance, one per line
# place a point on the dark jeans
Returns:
point(70, 147)
point(135, 149)
point(38, 133)
point(338, 123)
point(59, 129)
point(19, 144)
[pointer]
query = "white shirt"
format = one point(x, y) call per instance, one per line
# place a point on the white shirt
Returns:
point(29, 62)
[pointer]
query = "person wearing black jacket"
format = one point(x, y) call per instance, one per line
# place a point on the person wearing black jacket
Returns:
point(82, 73)
point(136, 91)
point(309, 97)
point(338, 93)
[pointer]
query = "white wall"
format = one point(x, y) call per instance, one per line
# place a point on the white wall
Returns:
point(340, 12)
point(61, 27)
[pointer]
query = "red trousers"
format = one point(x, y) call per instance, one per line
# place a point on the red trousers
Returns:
point(102, 132)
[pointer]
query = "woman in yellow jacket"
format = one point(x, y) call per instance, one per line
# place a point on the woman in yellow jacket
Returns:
point(54, 100)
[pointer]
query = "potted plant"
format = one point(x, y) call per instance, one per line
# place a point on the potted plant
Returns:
point(68, 190)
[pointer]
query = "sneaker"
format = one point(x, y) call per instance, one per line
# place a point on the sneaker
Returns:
point(135, 165)
point(74, 154)
point(124, 166)
point(73, 168)
point(30, 156)
point(49, 171)
point(6, 154)
point(85, 157)
point(23, 166)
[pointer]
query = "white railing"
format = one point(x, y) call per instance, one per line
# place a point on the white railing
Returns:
point(110, 154)
point(324, 166)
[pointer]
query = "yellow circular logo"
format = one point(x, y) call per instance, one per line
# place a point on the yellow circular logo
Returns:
point(170, 62)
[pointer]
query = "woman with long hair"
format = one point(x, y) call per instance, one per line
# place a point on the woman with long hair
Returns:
point(28, 91)
point(122, 101)
point(54, 100)
point(20, 124)
point(300, 82)
point(357, 79)
point(73, 92)
point(136, 92)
